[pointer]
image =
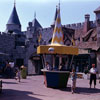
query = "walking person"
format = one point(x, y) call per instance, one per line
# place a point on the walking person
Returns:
point(93, 72)
point(18, 74)
point(73, 80)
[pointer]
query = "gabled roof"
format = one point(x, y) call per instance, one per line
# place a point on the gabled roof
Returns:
point(14, 19)
point(97, 10)
point(36, 24)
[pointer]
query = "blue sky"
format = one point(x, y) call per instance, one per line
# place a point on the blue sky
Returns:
point(72, 11)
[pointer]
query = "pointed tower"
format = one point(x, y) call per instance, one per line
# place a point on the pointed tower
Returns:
point(35, 23)
point(13, 22)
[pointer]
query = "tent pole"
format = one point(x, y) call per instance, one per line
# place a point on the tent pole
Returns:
point(44, 60)
point(60, 60)
point(53, 61)
point(71, 60)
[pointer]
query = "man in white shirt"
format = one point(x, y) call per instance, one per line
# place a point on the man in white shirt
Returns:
point(11, 64)
point(93, 72)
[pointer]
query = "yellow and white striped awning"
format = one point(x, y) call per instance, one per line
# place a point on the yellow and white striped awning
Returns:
point(57, 44)
point(57, 34)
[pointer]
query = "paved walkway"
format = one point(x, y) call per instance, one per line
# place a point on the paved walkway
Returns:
point(33, 88)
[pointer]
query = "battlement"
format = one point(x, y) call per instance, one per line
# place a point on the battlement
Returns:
point(46, 29)
point(6, 35)
point(93, 23)
point(80, 25)
point(72, 26)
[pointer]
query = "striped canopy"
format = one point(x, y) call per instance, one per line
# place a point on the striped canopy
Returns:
point(57, 44)
point(57, 34)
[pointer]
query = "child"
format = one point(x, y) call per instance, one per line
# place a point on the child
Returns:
point(18, 74)
point(73, 80)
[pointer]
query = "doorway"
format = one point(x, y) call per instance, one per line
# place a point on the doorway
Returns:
point(19, 62)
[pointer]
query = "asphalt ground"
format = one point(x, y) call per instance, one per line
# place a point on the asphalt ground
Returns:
point(33, 88)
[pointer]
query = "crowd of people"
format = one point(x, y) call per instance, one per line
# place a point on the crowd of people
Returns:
point(10, 70)
point(49, 67)
point(7, 69)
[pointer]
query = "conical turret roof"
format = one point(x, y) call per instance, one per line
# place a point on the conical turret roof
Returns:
point(36, 24)
point(14, 19)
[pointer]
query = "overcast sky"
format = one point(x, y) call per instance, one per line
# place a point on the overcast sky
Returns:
point(72, 11)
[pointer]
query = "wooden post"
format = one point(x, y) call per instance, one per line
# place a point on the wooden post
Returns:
point(44, 60)
point(71, 60)
point(60, 60)
point(53, 61)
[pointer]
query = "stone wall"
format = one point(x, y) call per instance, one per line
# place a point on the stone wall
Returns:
point(46, 35)
point(13, 27)
point(7, 43)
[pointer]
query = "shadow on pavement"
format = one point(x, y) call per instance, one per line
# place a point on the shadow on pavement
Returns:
point(9, 82)
point(12, 82)
point(84, 90)
point(67, 89)
point(9, 94)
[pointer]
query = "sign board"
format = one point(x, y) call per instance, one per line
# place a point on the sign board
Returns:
point(36, 58)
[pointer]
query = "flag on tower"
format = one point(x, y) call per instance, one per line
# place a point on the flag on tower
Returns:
point(73, 41)
point(40, 37)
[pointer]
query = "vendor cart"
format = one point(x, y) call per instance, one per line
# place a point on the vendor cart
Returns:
point(55, 78)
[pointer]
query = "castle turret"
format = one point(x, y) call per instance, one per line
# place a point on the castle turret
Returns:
point(32, 28)
point(87, 23)
point(13, 22)
point(35, 23)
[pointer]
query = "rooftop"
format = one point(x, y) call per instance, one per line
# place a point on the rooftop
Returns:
point(14, 19)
